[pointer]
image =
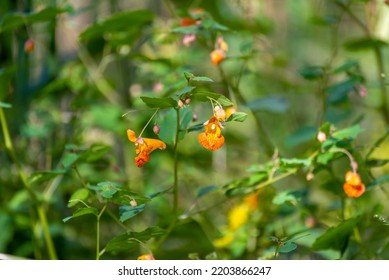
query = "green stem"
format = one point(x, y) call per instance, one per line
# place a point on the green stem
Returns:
point(38, 205)
point(175, 183)
point(98, 232)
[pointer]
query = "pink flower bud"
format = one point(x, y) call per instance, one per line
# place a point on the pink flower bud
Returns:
point(156, 129)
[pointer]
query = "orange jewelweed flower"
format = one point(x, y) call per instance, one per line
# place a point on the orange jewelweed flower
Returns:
point(211, 138)
point(187, 21)
point(29, 45)
point(353, 187)
point(143, 147)
point(217, 56)
point(146, 257)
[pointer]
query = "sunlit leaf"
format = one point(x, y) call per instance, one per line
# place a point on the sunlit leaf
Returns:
point(202, 79)
point(205, 96)
point(237, 117)
point(168, 127)
point(43, 176)
point(5, 105)
point(78, 196)
point(294, 162)
point(81, 212)
point(349, 132)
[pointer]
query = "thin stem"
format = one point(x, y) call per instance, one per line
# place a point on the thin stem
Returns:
point(140, 135)
point(98, 232)
point(38, 205)
point(353, 163)
point(175, 183)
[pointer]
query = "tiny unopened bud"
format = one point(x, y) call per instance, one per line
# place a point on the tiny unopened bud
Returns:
point(362, 91)
point(158, 87)
point(156, 128)
point(195, 117)
point(29, 45)
point(133, 203)
point(321, 137)
point(180, 103)
point(310, 176)
point(187, 101)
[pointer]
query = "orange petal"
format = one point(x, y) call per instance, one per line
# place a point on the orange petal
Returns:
point(131, 135)
point(142, 158)
point(146, 257)
point(354, 190)
point(153, 144)
point(217, 56)
point(353, 178)
point(211, 141)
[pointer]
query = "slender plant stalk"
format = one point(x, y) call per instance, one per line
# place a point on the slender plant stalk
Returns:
point(98, 254)
point(37, 203)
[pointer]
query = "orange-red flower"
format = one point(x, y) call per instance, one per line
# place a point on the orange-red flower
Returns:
point(146, 257)
point(353, 187)
point(29, 45)
point(211, 138)
point(217, 56)
point(143, 147)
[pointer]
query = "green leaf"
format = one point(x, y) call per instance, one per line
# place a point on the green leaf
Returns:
point(15, 20)
point(379, 181)
point(295, 162)
point(69, 159)
point(285, 197)
point(186, 29)
point(81, 212)
point(5, 105)
point(339, 92)
point(274, 104)
point(108, 189)
point(186, 116)
point(128, 21)
point(349, 132)
point(202, 79)
point(300, 136)
point(287, 247)
point(78, 196)
point(361, 44)
point(43, 176)
point(185, 90)
point(205, 190)
point(125, 197)
point(205, 96)
point(159, 102)
point(347, 66)
point(312, 72)
point(245, 185)
point(377, 162)
point(126, 212)
point(168, 127)
point(237, 117)
point(324, 158)
point(336, 237)
point(130, 240)
point(95, 152)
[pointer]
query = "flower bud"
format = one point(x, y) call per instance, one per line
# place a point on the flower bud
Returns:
point(133, 203)
point(156, 129)
point(29, 45)
point(321, 137)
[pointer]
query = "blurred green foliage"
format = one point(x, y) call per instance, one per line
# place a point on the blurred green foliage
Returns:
point(310, 84)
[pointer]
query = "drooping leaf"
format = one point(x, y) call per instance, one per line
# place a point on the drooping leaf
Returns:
point(377, 162)
point(287, 247)
point(347, 66)
point(168, 127)
point(69, 159)
point(81, 212)
point(284, 197)
point(300, 136)
point(126, 212)
point(78, 196)
point(367, 43)
point(205, 190)
point(339, 92)
point(336, 237)
point(185, 90)
point(245, 185)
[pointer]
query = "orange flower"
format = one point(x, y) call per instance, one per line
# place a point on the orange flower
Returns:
point(353, 187)
point(143, 147)
point(29, 45)
point(211, 138)
point(187, 21)
point(217, 56)
point(146, 257)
